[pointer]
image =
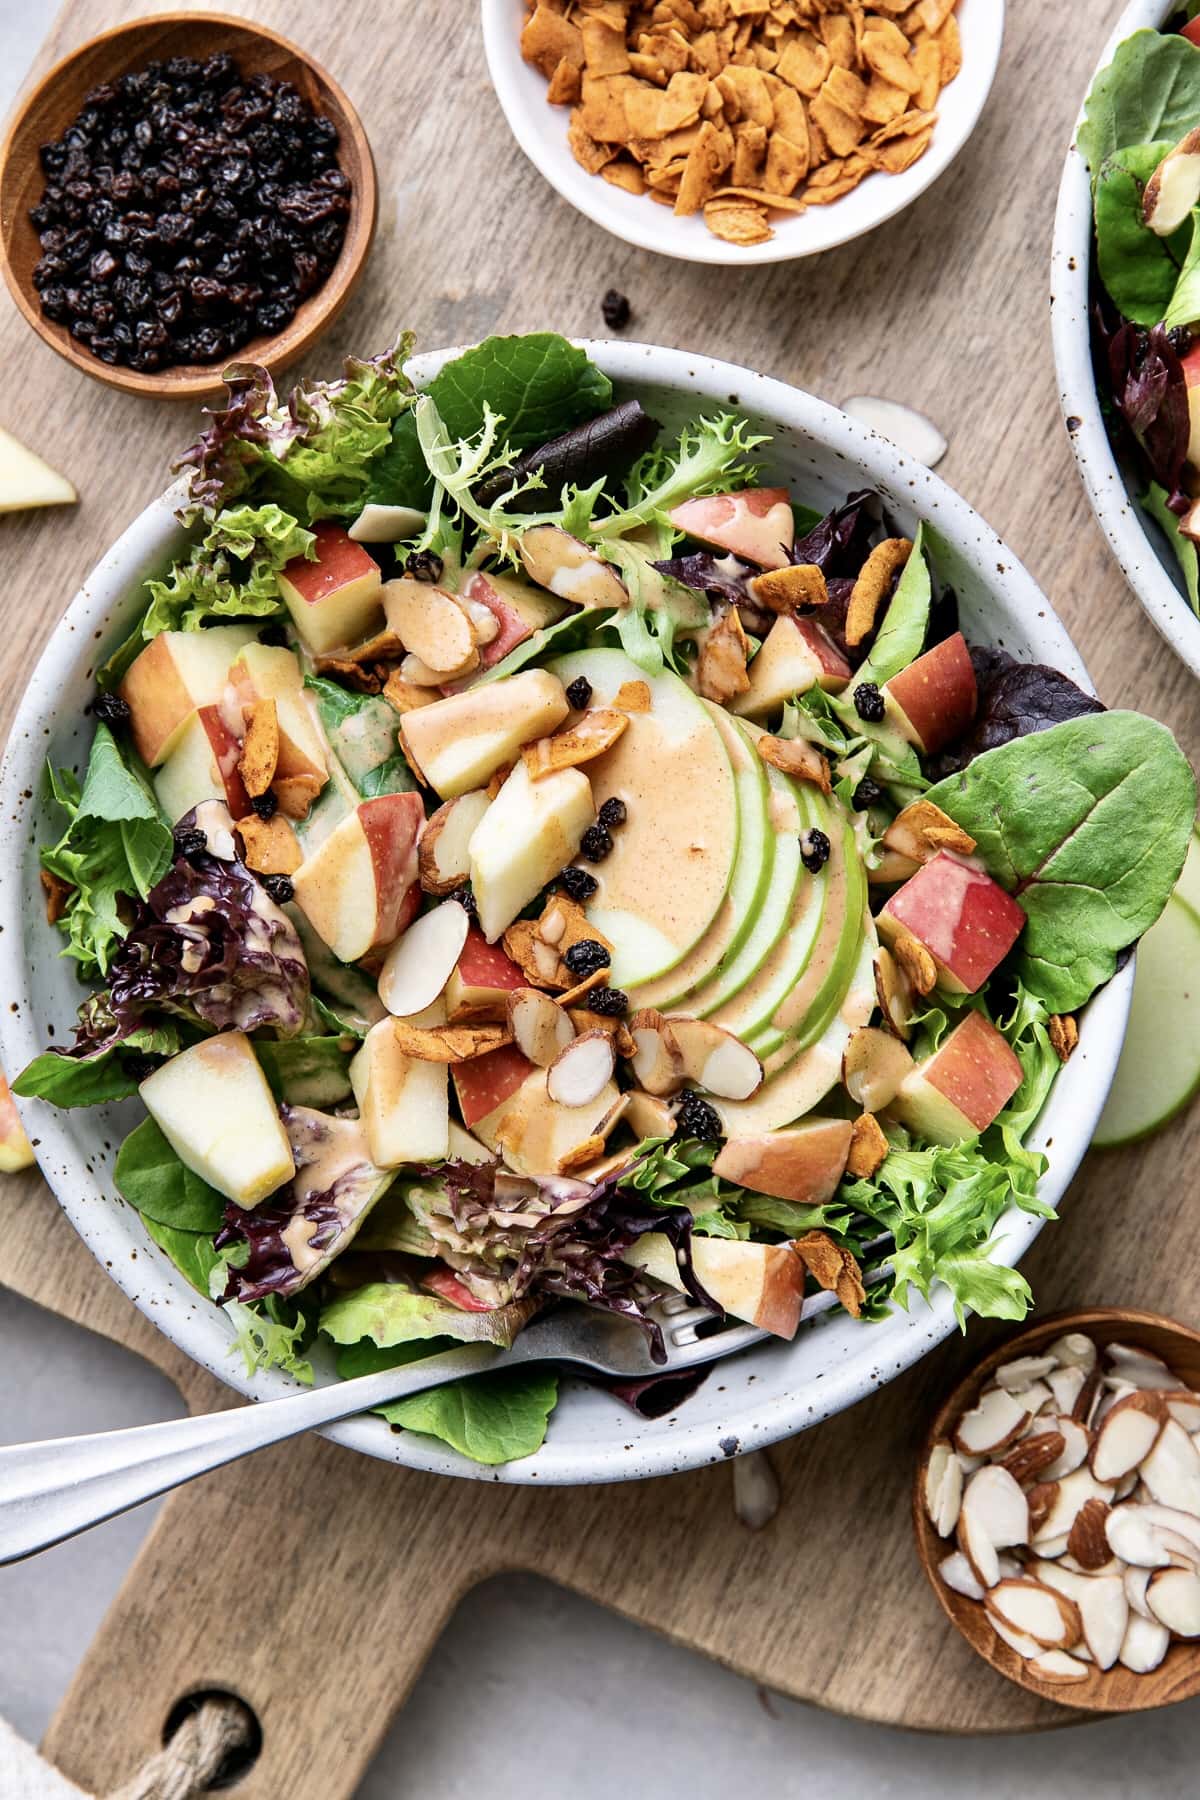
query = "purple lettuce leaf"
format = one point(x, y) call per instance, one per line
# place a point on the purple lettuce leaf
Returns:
point(722, 577)
point(1149, 391)
point(838, 543)
point(210, 943)
point(1015, 698)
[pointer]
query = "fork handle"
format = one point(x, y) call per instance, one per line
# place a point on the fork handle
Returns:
point(52, 1490)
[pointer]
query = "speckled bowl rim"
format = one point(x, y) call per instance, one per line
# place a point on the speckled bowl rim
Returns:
point(541, 131)
point(1138, 544)
point(770, 1391)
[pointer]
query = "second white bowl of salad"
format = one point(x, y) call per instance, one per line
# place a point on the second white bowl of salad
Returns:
point(585, 823)
point(1126, 309)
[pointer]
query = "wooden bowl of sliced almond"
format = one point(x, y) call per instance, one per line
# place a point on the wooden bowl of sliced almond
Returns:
point(1057, 1510)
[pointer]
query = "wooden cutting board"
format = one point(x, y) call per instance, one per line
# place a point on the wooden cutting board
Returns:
point(311, 1545)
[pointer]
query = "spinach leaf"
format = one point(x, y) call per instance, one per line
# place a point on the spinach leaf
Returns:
point(161, 1187)
point(539, 384)
point(1139, 268)
point(1088, 825)
point(307, 1071)
point(91, 1080)
point(191, 1251)
point(1185, 300)
point(1155, 502)
point(362, 732)
point(1149, 92)
point(902, 632)
point(490, 1418)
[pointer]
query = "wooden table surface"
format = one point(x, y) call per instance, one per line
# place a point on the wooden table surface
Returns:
point(247, 1572)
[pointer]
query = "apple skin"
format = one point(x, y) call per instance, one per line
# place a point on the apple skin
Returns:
point(755, 524)
point(203, 765)
point(484, 1084)
point(957, 1092)
point(803, 1163)
point(966, 921)
point(481, 981)
point(761, 1283)
point(16, 1152)
point(449, 1286)
point(336, 599)
point(177, 672)
point(796, 654)
point(356, 889)
point(270, 672)
point(518, 607)
point(1191, 31)
point(933, 700)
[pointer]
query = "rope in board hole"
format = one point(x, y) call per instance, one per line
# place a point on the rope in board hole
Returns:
point(188, 1764)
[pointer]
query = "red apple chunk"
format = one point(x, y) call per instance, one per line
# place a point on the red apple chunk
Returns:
point(957, 1092)
point(933, 700)
point(756, 524)
point(336, 598)
point(966, 921)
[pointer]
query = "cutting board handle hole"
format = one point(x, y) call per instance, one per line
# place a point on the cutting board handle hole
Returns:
point(235, 1722)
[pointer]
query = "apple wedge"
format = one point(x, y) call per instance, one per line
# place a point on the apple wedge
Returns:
point(484, 1087)
point(335, 599)
point(755, 524)
point(796, 654)
point(270, 672)
point(484, 977)
point(404, 1103)
point(202, 765)
point(176, 673)
point(16, 1152)
point(761, 1283)
point(518, 608)
point(966, 921)
point(215, 1109)
point(458, 743)
point(354, 888)
point(528, 835)
point(933, 700)
point(26, 481)
point(957, 1092)
point(803, 1163)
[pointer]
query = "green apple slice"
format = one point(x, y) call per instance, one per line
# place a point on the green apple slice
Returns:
point(739, 910)
point(1187, 888)
point(673, 859)
point(1159, 1070)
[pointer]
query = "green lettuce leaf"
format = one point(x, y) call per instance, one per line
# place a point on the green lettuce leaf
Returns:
point(1149, 93)
point(490, 1418)
point(91, 1080)
point(389, 1315)
point(1155, 502)
point(231, 573)
point(1088, 825)
point(308, 1071)
point(707, 458)
point(1139, 268)
point(161, 1187)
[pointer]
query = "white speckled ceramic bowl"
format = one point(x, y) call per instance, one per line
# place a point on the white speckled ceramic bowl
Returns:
point(1138, 543)
point(541, 131)
point(768, 1392)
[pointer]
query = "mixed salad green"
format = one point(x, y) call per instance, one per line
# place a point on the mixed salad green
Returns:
point(525, 856)
point(1141, 142)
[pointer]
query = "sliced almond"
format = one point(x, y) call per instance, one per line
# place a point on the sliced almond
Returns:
point(1144, 1645)
point(992, 1424)
point(874, 1063)
point(1140, 1368)
point(1127, 1435)
point(260, 751)
point(1104, 1614)
point(1041, 1497)
point(431, 626)
point(1035, 1398)
point(419, 964)
point(1171, 1470)
point(943, 1488)
point(910, 429)
point(959, 1577)
point(996, 1512)
point(443, 858)
point(657, 1061)
point(587, 737)
point(1031, 1456)
point(568, 568)
point(1058, 1668)
point(1074, 1350)
point(579, 1074)
point(755, 1490)
point(1135, 1582)
point(485, 626)
point(1076, 1444)
point(1023, 1371)
point(916, 962)
point(1182, 1529)
point(894, 993)
point(1086, 1540)
point(449, 1043)
point(714, 1059)
point(1184, 1408)
point(1039, 1612)
point(647, 1115)
point(1173, 1596)
point(417, 674)
point(980, 1554)
point(1138, 1537)
point(1174, 188)
point(540, 1028)
point(1064, 1384)
point(1071, 1494)
point(797, 758)
point(1020, 1641)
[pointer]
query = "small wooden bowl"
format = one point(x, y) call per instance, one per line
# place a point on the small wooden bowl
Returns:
point(1115, 1690)
point(55, 102)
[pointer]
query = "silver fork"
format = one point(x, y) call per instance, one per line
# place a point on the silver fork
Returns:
point(52, 1490)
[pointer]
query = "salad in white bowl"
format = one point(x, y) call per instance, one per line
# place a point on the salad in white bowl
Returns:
point(524, 855)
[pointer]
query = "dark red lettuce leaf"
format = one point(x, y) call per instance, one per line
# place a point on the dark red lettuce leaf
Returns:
point(605, 446)
point(208, 942)
point(1015, 698)
point(1150, 394)
point(839, 542)
point(722, 577)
